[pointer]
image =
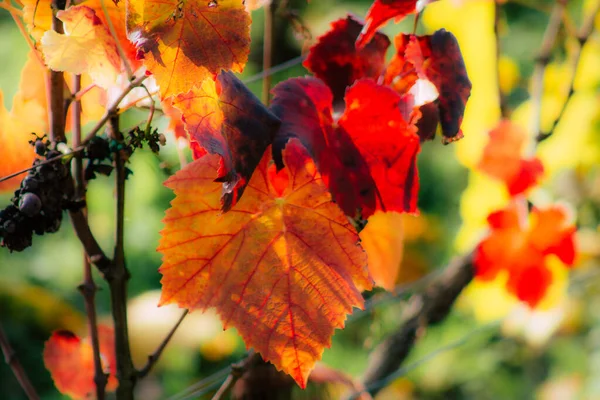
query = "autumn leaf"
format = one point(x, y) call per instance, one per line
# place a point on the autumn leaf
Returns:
point(225, 118)
point(383, 241)
point(252, 5)
point(367, 157)
point(86, 46)
point(70, 361)
point(37, 15)
point(502, 159)
point(382, 11)
point(175, 119)
point(283, 266)
point(523, 249)
point(335, 60)
point(185, 42)
point(436, 58)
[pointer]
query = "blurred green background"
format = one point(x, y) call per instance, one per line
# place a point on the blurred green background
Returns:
point(553, 353)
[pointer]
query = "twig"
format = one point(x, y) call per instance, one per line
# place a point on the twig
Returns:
point(112, 110)
point(113, 33)
point(55, 85)
point(278, 68)
point(88, 287)
point(504, 110)
point(117, 277)
point(431, 307)
point(153, 358)
point(13, 362)
point(203, 386)
point(268, 34)
point(587, 28)
point(542, 60)
point(237, 371)
point(152, 108)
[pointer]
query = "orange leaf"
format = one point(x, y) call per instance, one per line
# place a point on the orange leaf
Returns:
point(523, 251)
point(37, 15)
point(502, 159)
point(283, 269)
point(86, 46)
point(185, 42)
point(225, 118)
point(70, 361)
point(383, 241)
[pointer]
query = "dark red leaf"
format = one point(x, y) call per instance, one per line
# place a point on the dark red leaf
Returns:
point(225, 118)
point(336, 61)
point(382, 11)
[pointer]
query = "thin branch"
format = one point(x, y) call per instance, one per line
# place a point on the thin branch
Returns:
point(431, 307)
point(113, 33)
point(203, 386)
point(152, 109)
point(542, 60)
point(88, 287)
point(153, 358)
point(93, 250)
point(268, 36)
point(118, 276)
point(55, 85)
point(13, 362)
point(504, 109)
point(278, 68)
point(237, 371)
point(587, 28)
point(113, 109)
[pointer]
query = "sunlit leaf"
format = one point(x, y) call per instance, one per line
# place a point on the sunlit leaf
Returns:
point(185, 42)
point(282, 266)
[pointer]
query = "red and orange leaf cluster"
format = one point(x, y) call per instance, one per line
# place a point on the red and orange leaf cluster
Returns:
point(70, 361)
point(282, 266)
point(522, 247)
point(225, 118)
point(367, 158)
point(502, 159)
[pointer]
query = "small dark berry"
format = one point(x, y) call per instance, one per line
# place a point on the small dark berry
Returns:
point(40, 148)
point(9, 226)
point(30, 183)
point(30, 204)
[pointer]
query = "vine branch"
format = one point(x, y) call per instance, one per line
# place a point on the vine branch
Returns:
point(237, 371)
point(153, 358)
point(13, 362)
point(585, 32)
point(429, 308)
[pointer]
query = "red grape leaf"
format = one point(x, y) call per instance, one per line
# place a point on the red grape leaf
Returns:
point(283, 266)
point(502, 159)
point(382, 11)
point(70, 361)
point(438, 59)
point(185, 42)
point(367, 158)
point(225, 118)
point(523, 251)
point(335, 60)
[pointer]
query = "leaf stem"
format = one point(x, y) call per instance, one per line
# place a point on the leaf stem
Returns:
point(268, 34)
point(87, 287)
point(13, 362)
point(587, 28)
point(117, 277)
point(153, 358)
point(113, 33)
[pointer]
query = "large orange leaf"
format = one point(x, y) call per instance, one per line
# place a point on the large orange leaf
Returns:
point(368, 156)
point(283, 266)
point(186, 42)
point(521, 246)
point(335, 60)
point(225, 118)
point(502, 159)
point(70, 361)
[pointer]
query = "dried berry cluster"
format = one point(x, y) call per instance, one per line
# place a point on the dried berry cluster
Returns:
point(38, 204)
